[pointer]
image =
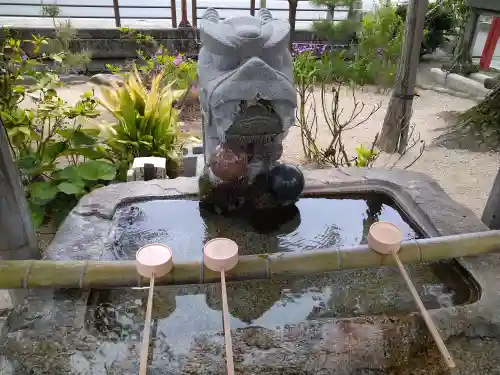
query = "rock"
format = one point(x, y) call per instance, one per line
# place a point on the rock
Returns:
point(103, 79)
point(490, 83)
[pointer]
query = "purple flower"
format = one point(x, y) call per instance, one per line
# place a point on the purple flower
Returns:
point(178, 60)
point(380, 51)
point(24, 57)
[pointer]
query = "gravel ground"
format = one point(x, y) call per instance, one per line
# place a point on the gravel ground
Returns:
point(466, 176)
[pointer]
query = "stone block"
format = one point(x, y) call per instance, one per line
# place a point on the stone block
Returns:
point(147, 168)
point(459, 83)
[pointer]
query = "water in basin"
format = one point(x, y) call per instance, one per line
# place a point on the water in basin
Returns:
point(99, 332)
point(314, 223)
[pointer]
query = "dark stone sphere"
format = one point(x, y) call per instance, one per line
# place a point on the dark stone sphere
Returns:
point(285, 182)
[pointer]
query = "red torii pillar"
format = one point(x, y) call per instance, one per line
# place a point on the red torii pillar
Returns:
point(491, 44)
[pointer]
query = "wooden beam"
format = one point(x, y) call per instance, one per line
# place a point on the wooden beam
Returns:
point(173, 13)
point(17, 237)
point(184, 18)
point(116, 8)
point(194, 10)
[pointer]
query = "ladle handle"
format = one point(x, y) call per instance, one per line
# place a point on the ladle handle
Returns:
point(227, 327)
point(147, 329)
point(425, 314)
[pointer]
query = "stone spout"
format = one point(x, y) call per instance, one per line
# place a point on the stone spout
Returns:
point(96, 274)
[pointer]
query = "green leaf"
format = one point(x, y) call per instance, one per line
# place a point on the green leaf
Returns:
point(89, 153)
point(69, 188)
point(94, 170)
point(69, 173)
point(57, 58)
point(43, 191)
point(91, 132)
point(37, 215)
point(54, 149)
point(25, 130)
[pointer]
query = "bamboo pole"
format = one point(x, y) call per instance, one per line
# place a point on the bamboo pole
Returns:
point(95, 274)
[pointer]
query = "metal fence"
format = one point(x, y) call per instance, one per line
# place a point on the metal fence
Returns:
point(180, 13)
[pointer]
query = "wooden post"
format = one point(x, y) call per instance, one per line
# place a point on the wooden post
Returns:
point(491, 213)
point(116, 8)
point(394, 135)
point(184, 16)
point(173, 13)
point(252, 7)
point(194, 10)
point(292, 16)
point(17, 237)
point(263, 4)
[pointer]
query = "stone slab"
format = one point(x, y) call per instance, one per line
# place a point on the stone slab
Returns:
point(459, 83)
point(340, 346)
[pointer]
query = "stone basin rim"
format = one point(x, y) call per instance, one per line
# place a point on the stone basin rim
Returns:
point(109, 203)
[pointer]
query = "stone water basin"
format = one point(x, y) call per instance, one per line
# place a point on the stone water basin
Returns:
point(267, 316)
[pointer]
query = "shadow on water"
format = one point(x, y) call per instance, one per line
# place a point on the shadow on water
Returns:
point(285, 326)
point(313, 223)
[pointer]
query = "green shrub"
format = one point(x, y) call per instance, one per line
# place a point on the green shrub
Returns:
point(439, 21)
point(147, 122)
point(59, 160)
point(153, 58)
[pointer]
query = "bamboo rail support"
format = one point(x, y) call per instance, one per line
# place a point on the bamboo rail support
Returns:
point(94, 274)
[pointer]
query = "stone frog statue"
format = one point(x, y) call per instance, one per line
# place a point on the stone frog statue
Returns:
point(248, 102)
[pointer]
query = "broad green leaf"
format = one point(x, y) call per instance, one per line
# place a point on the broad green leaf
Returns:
point(43, 191)
point(79, 138)
point(69, 173)
point(25, 130)
point(54, 149)
point(91, 132)
point(69, 188)
point(94, 170)
point(89, 153)
point(37, 215)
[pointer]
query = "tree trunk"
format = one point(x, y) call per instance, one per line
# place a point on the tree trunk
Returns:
point(292, 16)
point(394, 135)
point(464, 46)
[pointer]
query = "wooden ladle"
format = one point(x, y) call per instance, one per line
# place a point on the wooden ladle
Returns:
point(220, 255)
point(385, 238)
point(152, 261)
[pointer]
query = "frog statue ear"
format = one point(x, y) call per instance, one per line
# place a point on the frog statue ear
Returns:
point(228, 36)
point(214, 33)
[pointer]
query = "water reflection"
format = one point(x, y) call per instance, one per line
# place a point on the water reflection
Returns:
point(50, 334)
point(313, 223)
